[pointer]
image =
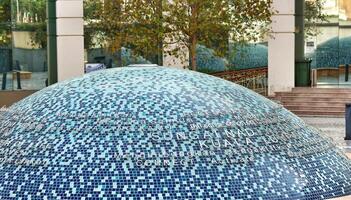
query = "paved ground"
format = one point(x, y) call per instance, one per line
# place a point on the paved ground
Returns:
point(37, 81)
point(334, 128)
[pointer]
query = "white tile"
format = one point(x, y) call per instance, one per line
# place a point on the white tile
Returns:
point(69, 8)
point(283, 23)
point(284, 7)
point(281, 62)
point(70, 26)
point(70, 57)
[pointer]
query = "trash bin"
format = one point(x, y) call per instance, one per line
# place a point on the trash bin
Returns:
point(348, 121)
point(303, 73)
point(347, 69)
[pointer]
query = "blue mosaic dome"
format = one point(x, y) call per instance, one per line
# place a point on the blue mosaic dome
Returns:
point(161, 133)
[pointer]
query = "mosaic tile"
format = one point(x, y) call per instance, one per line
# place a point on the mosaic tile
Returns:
point(162, 133)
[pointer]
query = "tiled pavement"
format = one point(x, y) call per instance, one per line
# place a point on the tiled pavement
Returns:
point(332, 127)
point(37, 81)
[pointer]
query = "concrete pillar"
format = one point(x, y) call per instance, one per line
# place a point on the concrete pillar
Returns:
point(66, 34)
point(281, 48)
point(70, 39)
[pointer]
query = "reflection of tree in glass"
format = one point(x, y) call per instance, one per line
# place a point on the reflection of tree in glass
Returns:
point(314, 15)
point(5, 19)
point(346, 6)
point(332, 53)
point(5, 11)
point(248, 56)
point(207, 61)
point(30, 11)
point(30, 16)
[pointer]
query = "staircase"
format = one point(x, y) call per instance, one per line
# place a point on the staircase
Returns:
point(315, 101)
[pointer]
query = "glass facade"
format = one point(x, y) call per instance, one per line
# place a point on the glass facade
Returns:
point(99, 49)
point(329, 49)
point(23, 42)
point(23, 64)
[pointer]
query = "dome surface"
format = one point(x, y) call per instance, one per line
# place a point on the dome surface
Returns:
point(161, 133)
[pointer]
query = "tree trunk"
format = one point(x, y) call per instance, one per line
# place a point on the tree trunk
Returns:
point(159, 38)
point(193, 35)
point(193, 55)
point(119, 57)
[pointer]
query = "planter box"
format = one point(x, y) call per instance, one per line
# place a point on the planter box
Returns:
point(23, 75)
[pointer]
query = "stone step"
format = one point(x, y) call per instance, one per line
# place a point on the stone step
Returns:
point(313, 99)
point(315, 94)
point(316, 101)
point(318, 113)
point(315, 108)
point(316, 90)
point(338, 104)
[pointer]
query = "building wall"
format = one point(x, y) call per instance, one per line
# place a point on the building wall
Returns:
point(22, 39)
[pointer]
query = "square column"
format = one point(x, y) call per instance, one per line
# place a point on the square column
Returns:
point(70, 39)
point(281, 48)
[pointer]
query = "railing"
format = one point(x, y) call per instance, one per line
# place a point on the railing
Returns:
point(331, 76)
point(254, 79)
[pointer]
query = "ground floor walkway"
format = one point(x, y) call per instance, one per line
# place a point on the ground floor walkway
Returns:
point(334, 128)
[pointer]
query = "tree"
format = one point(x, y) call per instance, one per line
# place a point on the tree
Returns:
point(250, 20)
point(92, 29)
point(114, 22)
point(313, 16)
point(30, 11)
point(5, 11)
point(194, 22)
point(5, 22)
point(191, 21)
point(133, 24)
point(146, 28)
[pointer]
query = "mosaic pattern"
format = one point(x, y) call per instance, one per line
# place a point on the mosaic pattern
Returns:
point(161, 133)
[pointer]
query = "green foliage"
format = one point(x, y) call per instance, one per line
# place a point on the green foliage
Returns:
point(32, 18)
point(146, 30)
point(129, 58)
point(148, 26)
point(5, 11)
point(313, 16)
point(250, 20)
point(92, 29)
point(5, 38)
point(33, 11)
point(191, 21)
point(132, 24)
point(5, 23)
